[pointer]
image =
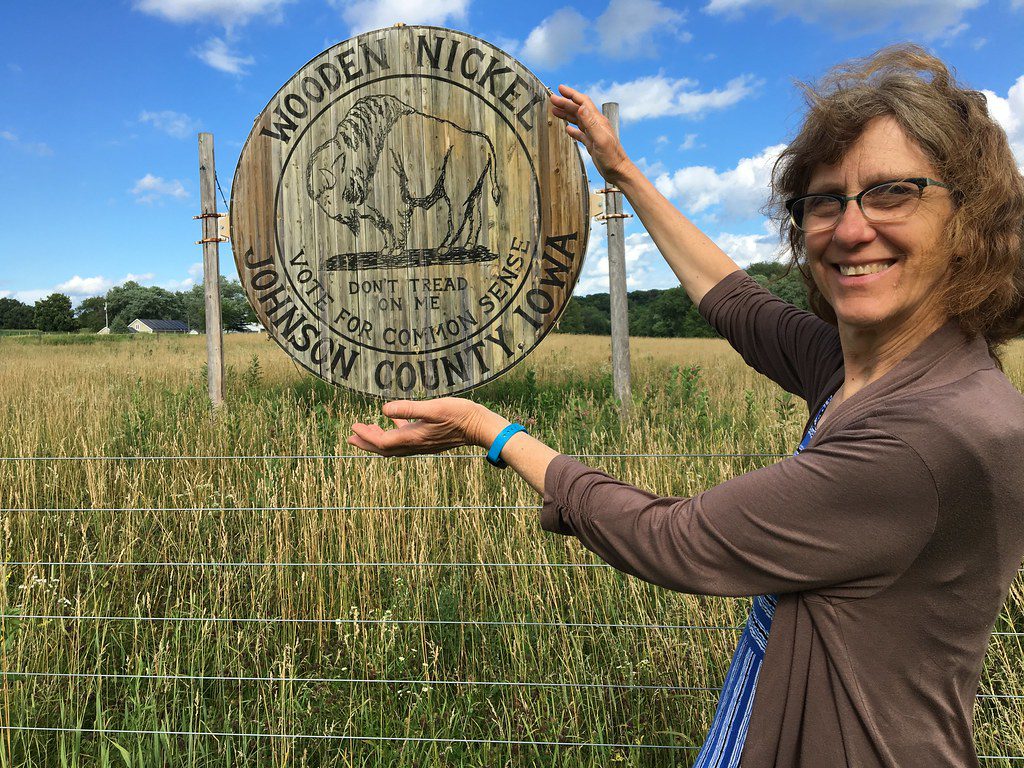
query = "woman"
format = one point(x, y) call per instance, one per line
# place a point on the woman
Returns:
point(885, 547)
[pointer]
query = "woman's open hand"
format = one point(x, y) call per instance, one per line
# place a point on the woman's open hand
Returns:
point(586, 123)
point(428, 426)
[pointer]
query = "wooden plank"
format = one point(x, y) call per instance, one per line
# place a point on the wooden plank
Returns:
point(407, 219)
point(617, 285)
point(211, 271)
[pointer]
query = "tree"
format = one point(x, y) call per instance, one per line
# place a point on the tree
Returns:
point(670, 312)
point(90, 314)
point(235, 310)
point(15, 314)
point(54, 313)
point(131, 301)
point(784, 282)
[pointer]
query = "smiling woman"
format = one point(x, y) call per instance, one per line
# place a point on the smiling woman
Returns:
point(881, 551)
point(900, 114)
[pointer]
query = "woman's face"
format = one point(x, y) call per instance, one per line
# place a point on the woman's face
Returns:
point(901, 296)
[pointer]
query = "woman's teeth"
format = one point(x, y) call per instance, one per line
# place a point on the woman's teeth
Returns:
point(864, 269)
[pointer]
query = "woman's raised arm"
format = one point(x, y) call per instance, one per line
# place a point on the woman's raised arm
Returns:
point(696, 260)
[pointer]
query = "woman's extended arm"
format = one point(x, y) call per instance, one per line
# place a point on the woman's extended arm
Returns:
point(696, 260)
point(846, 516)
point(451, 422)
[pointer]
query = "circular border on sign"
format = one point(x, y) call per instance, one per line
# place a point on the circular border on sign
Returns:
point(583, 232)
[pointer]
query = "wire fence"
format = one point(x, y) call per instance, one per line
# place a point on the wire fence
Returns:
point(7, 675)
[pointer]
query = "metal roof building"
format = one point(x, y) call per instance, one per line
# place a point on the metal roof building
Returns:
point(157, 326)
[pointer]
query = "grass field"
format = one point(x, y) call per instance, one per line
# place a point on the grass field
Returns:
point(356, 658)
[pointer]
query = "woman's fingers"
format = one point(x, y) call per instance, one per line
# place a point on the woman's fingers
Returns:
point(408, 409)
point(371, 437)
point(578, 101)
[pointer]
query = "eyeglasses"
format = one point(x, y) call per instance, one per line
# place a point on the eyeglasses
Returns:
point(888, 201)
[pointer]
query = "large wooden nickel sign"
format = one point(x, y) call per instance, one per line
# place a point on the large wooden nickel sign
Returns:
point(406, 217)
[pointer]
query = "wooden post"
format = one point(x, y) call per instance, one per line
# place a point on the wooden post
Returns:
point(211, 271)
point(617, 284)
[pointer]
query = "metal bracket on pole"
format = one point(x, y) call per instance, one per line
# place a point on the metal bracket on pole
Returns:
point(223, 227)
point(599, 201)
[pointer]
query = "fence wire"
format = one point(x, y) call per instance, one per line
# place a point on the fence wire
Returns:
point(397, 681)
point(5, 675)
point(345, 621)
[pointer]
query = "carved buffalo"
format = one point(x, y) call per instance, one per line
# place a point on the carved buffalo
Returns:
point(376, 168)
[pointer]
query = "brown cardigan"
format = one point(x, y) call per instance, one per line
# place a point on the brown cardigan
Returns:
point(891, 540)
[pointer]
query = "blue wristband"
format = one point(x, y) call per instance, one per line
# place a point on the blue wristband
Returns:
point(494, 455)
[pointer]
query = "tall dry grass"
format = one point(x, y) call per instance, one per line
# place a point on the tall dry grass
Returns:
point(146, 397)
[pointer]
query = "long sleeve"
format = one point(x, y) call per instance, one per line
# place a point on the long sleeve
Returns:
point(795, 349)
point(826, 520)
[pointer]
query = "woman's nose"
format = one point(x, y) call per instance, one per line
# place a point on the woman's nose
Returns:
point(853, 229)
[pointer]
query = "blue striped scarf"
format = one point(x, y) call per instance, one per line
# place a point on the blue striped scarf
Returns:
point(724, 744)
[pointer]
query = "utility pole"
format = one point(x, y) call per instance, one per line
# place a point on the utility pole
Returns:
point(614, 217)
point(211, 270)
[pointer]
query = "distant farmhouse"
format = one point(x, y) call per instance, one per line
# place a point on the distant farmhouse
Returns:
point(157, 326)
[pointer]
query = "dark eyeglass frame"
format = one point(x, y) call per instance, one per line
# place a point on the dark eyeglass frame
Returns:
point(920, 182)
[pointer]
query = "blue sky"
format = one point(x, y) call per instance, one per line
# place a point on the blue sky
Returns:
point(102, 102)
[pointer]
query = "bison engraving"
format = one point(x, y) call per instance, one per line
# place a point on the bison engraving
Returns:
point(366, 171)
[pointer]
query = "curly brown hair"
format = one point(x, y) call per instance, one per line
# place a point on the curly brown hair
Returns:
point(984, 239)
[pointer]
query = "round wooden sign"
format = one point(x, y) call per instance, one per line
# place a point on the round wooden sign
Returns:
point(407, 218)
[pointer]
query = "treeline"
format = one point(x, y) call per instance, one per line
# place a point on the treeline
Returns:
point(670, 313)
point(651, 313)
point(125, 303)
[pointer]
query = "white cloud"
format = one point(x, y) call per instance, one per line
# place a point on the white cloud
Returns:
point(38, 148)
point(929, 19)
point(738, 193)
point(30, 296)
point(557, 39)
point(150, 188)
point(215, 53)
point(750, 249)
point(77, 288)
point(228, 12)
point(1009, 113)
point(649, 169)
point(628, 27)
point(82, 287)
point(176, 124)
point(642, 256)
point(690, 142)
point(195, 277)
point(660, 96)
point(364, 15)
